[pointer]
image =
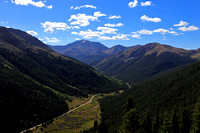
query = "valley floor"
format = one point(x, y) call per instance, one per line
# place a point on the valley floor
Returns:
point(83, 112)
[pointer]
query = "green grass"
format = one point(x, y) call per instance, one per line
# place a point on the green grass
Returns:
point(76, 121)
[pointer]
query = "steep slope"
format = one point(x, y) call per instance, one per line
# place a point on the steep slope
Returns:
point(35, 82)
point(178, 90)
point(30, 39)
point(141, 63)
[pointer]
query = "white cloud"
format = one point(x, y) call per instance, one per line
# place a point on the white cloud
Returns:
point(147, 3)
point(135, 35)
point(114, 25)
point(50, 26)
point(49, 7)
point(99, 14)
point(145, 32)
point(90, 34)
point(52, 40)
point(74, 33)
point(181, 23)
point(74, 27)
point(82, 19)
point(133, 4)
point(146, 18)
point(117, 37)
point(190, 28)
point(31, 2)
point(121, 37)
point(41, 39)
point(84, 6)
point(115, 17)
point(105, 38)
point(162, 31)
point(107, 30)
point(33, 33)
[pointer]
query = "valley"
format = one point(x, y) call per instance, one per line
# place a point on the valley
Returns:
point(89, 66)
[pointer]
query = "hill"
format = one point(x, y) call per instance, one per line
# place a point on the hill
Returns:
point(36, 81)
point(141, 63)
point(87, 51)
point(176, 92)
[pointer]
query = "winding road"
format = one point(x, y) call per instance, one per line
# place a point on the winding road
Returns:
point(62, 114)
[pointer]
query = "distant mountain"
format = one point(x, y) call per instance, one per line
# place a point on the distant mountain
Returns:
point(115, 49)
point(35, 81)
point(141, 63)
point(87, 51)
point(79, 49)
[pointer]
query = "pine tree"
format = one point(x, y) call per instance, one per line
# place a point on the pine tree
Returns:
point(157, 122)
point(186, 122)
point(130, 104)
point(196, 118)
point(130, 122)
point(147, 124)
point(175, 123)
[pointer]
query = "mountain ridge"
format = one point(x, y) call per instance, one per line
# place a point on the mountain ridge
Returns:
point(143, 62)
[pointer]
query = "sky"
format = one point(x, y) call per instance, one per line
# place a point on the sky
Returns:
point(111, 22)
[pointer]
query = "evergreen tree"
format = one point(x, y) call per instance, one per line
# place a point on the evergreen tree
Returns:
point(147, 124)
point(103, 128)
point(175, 123)
point(130, 104)
point(196, 118)
point(130, 122)
point(95, 125)
point(185, 123)
point(157, 122)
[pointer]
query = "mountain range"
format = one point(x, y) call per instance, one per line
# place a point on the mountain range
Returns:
point(87, 51)
point(35, 81)
point(141, 63)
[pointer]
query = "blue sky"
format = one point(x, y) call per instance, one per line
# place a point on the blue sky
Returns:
point(111, 22)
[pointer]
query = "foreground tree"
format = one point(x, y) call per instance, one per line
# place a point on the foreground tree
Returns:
point(196, 118)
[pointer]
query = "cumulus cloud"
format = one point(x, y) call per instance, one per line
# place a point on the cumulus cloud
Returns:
point(135, 35)
point(99, 14)
point(84, 6)
point(50, 26)
point(115, 17)
point(181, 23)
point(114, 25)
point(133, 4)
point(82, 19)
point(117, 37)
point(107, 30)
point(90, 34)
point(190, 28)
point(33, 33)
point(52, 40)
point(147, 3)
point(121, 37)
point(74, 33)
point(30, 2)
point(145, 32)
point(162, 31)
point(146, 18)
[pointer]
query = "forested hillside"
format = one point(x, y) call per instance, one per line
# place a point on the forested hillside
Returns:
point(157, 102)
point(35, 81)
